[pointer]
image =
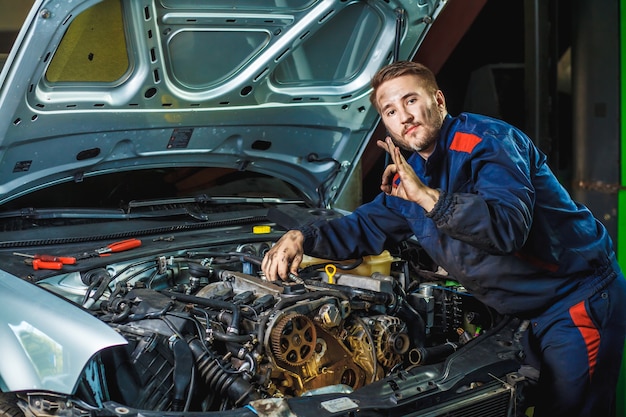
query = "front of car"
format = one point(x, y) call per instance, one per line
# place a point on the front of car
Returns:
point(152, 151)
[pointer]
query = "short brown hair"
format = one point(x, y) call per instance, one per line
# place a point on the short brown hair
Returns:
point(398, 69)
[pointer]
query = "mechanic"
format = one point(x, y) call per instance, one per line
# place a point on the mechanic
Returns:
point(483, 203)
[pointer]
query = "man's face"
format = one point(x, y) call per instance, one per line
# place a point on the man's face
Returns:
point(411, 114)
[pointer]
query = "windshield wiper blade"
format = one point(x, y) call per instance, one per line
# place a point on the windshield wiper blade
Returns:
point(205, 199)
point(86, 213)
point(167, 207)
point(64, 213)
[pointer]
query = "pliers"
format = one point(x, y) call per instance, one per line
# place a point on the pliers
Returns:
point(120, 246)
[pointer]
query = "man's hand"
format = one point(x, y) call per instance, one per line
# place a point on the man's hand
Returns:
point(410, 188)
point(284, 257)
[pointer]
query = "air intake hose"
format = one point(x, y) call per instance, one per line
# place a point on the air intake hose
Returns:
point(214, 371)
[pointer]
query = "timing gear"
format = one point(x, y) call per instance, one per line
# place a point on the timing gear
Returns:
point(293, 339)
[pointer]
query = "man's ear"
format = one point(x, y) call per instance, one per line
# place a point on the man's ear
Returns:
point(441, 100)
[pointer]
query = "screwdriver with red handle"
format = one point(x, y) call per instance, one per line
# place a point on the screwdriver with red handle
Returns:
point(47, 261)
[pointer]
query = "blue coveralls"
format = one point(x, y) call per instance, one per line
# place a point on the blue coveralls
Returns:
point(510, 233)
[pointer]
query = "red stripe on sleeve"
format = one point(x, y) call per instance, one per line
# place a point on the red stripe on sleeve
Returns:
point(464, 142)
point(590, 334)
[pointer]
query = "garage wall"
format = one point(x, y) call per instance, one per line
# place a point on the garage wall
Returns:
point(12, 14)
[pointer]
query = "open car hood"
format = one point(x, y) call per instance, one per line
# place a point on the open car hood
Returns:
point(276, 87)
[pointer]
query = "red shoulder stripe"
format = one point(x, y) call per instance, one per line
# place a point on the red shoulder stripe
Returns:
point(464, 142)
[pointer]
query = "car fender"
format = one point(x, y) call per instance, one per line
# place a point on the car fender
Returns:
point(46, 340)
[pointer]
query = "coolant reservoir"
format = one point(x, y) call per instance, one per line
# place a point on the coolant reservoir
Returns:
point(372, 263)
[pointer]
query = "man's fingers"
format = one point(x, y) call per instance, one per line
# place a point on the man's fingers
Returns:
point(386, 184)
point(295, 264)
point(382, 145)
point(272, 265)
point(398, 158)
point(284, 257)
point(269, 267)
point(394, 151)
point(388, 174)
point(386, 145)
point(283, 264)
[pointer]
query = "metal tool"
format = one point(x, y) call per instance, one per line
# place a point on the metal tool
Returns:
point(65, 260)
point(120, 246)
point(293, 277)
point(39, 261)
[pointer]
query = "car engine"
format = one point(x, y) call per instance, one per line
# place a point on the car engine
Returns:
point(207, 332)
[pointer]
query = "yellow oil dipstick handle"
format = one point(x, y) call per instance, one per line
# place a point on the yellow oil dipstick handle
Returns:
point(330, 271)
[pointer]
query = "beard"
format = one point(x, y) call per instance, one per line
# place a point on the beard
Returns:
point(424, 137)
point(424, 142)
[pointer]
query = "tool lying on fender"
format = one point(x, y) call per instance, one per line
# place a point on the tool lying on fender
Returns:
point(120, 246)
point(47, 261)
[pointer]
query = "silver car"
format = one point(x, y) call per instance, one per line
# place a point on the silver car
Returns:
point(151, 151)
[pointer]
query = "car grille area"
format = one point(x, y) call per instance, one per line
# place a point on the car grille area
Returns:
point(493, 400)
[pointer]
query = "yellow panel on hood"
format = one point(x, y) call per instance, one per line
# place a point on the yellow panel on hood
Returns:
point(83, 57)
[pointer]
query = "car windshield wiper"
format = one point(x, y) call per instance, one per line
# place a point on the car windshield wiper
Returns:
point(191, 206)
point(205, 199)
point(64, 213)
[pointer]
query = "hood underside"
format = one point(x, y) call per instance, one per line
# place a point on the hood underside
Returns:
point(273, 87)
